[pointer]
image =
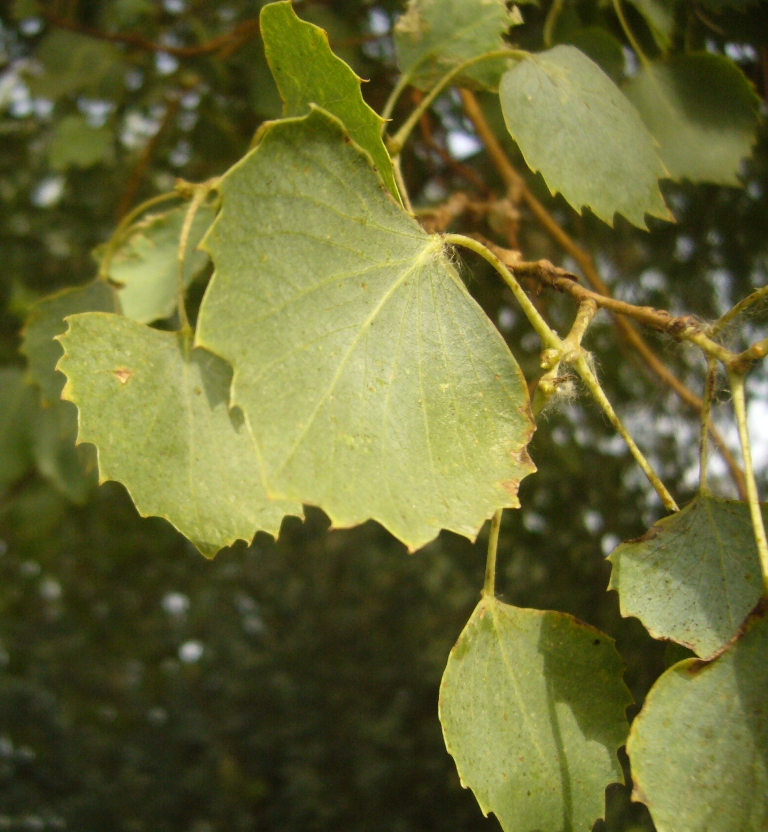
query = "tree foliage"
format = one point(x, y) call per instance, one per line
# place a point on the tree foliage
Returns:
point(305, 318)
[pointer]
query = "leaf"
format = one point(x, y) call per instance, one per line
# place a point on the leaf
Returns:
point(70, 469)
point(73, 62)
point(699, 747)
point(156, 409)
point(46, 321)
point(374, 384)
point(573, 124)
point(17, 404)
point(660, 17)
point(694, 577)
point(75, 144)
point(307, 72)
point(703, 112)
point(532, 706)
point(435, 36)
point(146, 266)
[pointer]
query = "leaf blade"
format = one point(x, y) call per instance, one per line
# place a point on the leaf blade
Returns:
point(694, 577)
point(432, 38)
point(574, 125)
point(133, 387)
point(532, 708)
point(710, 721)
point(703, 112)
point(342, 315)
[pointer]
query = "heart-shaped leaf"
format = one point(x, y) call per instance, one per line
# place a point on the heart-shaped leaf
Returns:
point(157, 411)
point(532, 706)
point(374, 384)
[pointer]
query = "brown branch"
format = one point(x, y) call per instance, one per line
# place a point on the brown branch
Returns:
point(239, 35)
point(126, 200)
point(518, 187)
point(466, 172)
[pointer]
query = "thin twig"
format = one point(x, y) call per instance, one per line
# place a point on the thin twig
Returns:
point(489, 587)
point(709, 394)
point(240, 34)
point(517, 186)
point(548, 337)
point(733, 313)
point(587, 376)
point(144, 159)
point(736, 381)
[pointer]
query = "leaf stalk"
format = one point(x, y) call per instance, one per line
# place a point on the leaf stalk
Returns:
point(489, 587)
point(736, 381)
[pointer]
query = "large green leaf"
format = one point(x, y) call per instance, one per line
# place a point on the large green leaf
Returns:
point(703, 112)
point(46, 321)
point(17, 405)
point(532, 706)
point(695, 576)
point(157, 411)
point(601, 47)
point(435, 36)
point(146, 266)
point(699, 748)
point(75, 144)
point(307, 72)
point(375, 386)
point(573, 124)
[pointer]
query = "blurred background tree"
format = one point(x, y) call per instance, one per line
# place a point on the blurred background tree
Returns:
point(293, 684)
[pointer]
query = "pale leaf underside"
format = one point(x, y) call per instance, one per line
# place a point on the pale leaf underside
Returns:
point(574, 125)
point(532, 708)
point(374, 384)
point(699, 748)
point(694, 577)
point(157, 411)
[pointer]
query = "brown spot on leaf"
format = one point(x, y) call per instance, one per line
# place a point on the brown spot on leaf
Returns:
point(122, 374)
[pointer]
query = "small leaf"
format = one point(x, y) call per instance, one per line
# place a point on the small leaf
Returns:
point(532, 706)
point(660, 17)
point(699, 747)
point(703, 112)
point(435, 36)
point(157, 411)
point(374, 384)
point(307, 72)
point(17, 406)
point(694, 577)
point(46, 321)
point(146, 266)
point(574, 125)
point(75, 144)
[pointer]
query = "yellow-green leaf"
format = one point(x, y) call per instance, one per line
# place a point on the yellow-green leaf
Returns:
point(695, 576)
point(574, 125)
point(433, 37)
point(699, 747)
point(703, 112)
point(374, 384)
point(157, 411)
point(532, 706)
